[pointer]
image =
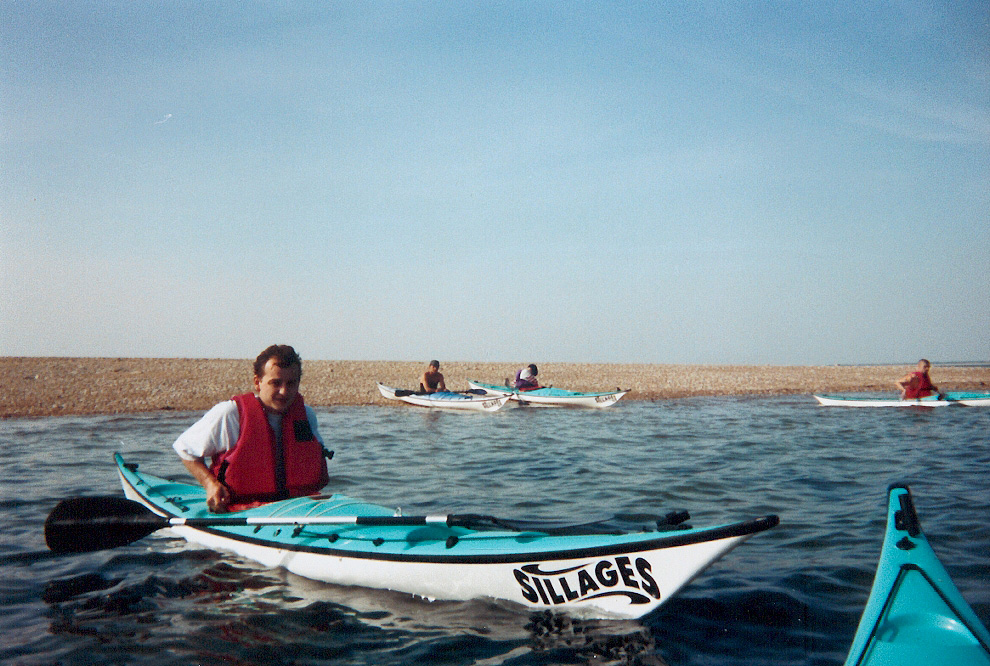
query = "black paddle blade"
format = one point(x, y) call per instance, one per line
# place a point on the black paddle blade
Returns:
point(84, 524)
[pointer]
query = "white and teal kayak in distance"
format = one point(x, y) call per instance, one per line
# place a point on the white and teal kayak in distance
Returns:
point(915, 614)
point(553, 396)
point(342, 540)
point(961, 398)
point(481, 401)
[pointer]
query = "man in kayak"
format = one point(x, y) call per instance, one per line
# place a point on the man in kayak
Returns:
point(432, 380)
point(264, 445)
point(917, 384)
point(526, 378)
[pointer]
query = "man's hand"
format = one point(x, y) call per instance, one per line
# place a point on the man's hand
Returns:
point(217, 494)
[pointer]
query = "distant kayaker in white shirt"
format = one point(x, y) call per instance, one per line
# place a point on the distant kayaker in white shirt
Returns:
point(432, 380)
point(263, 446)
point(526, 378)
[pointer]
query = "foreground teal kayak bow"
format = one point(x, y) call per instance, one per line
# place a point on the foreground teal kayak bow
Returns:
point(915, 615)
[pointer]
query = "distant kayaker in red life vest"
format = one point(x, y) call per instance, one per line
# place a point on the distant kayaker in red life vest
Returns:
point(526, 378)
point(263, 446)
point(432, 380)
point(917, 384)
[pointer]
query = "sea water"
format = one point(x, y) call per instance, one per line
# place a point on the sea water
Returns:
point(792, 595)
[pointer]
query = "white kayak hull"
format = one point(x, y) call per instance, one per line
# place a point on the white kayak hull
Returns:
point(572, 585)
point(488, 402)
point(949, 399)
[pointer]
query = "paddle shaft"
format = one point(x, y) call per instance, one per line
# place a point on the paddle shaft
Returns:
point(377, 521)
point(84, 524)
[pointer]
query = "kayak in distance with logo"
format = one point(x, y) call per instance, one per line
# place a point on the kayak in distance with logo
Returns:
point(549, 395)
point(482, 401)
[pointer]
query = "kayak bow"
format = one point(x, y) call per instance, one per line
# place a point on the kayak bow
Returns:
point(915, 614)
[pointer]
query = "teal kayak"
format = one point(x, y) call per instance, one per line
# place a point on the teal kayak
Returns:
point(945, 399)
point(548, 395)
point(342, 540)
point(482, 401)
point(915, 615)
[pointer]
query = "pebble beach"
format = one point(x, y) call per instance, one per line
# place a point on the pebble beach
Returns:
point(53, 386)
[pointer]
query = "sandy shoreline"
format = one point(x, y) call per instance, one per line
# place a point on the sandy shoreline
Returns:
point(46, 386)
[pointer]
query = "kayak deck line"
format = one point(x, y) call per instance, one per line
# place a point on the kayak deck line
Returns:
point(716, 534)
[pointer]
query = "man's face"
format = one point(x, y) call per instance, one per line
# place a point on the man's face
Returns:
point(279, 386)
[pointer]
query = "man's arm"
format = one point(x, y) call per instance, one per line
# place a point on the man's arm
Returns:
point(214, 433)
point(904, 382)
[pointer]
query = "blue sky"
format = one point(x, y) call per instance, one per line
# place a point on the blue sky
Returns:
point(698, 182)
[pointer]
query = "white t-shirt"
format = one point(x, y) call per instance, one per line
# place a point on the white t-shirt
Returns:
point(217, 431)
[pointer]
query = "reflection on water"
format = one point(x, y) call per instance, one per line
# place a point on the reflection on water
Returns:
point(790, 596)
point(232, 611)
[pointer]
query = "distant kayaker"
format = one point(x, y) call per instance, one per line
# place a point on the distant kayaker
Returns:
point(917, 384)
point(432, 380)
point(526, 378)
point(264, 445)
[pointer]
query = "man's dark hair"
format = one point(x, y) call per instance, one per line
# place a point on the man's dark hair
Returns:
point(284, 355)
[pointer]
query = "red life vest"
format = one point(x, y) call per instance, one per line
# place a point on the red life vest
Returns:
point(259, 468)
point(920, 386)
